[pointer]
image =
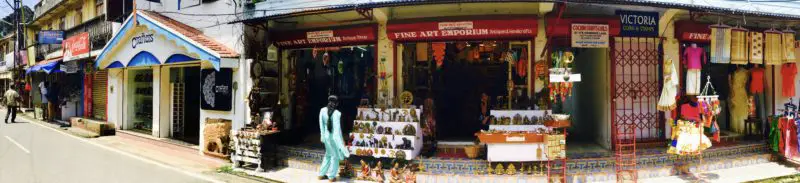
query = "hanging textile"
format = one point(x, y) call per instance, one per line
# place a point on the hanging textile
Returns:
point(667, 100)
point(422, 52)
point(738, 100)
point(789, 143)
point(775, 134)
point(720, 44)
point(757, 80)
point(788, 47)
point(773, 48)
point(788, 73)
point(688, 138)
point(756, 42)
point(738, 45)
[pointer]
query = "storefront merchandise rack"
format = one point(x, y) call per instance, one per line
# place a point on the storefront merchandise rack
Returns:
point(393, 133)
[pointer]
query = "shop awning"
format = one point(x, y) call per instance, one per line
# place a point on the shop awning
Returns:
point(154, 39)
point(453, 29)
point(47, 66)
point(338, 36)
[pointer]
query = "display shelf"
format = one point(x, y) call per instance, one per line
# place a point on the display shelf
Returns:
point(518, 128)
point(368, 122)
point(523, 113)
point(491, 138)
point(246, 148)
point(388, 152)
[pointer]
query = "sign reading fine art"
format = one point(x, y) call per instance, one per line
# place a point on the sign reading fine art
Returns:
point(590, 36)
point(334, 37)
point(516, 28)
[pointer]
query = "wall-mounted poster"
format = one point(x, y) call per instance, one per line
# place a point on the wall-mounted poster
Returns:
point(217, 89)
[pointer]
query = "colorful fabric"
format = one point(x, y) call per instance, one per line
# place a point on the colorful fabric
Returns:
point(667, 100)
point(695, 57)
point(788, 47)
point(773, 48)
point(690, 112)
point(788, 73)
point(738, 46)
point(756, 44)
point(689, 139)
point(738, 100)
point(693, 82)
point(789, 143)
point(757, 80)
point(775, 135)
point(720, 44)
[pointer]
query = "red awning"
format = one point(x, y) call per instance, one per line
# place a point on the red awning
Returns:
point(562, 29)
point(686, 30)
point(521, 28)
point(338, 36)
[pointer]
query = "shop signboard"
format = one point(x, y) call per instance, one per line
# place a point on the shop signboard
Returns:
point(217, 88)
point(686, 30)
point(513, 28)
point(75, 46)
point(696, 36)
point(589, 35)
point(51, 37)
point(328, 37)
point(638, 23)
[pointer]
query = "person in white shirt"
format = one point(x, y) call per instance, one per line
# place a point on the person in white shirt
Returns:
point(12, 101)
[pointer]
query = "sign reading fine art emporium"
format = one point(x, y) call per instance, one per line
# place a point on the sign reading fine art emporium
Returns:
point(590, 35)
point(332, 37)
point(76, 45)
point(515, 28)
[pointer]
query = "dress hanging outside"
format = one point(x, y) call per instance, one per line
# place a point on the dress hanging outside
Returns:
point(667, 100)
point(756, 44)
point(788, 73)
point(738, 46)
point(738, 100)
point(773, 48)
point(788, 47)
point(720, 44)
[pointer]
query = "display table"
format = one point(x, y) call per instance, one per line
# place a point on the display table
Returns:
point(521, 140)
point(394, 133)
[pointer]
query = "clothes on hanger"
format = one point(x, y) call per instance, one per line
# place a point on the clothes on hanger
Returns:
point(756, 44)
point(775, 135)
point(720, 44)
point(788, 73)
point(695, 58)
point(789, 144)
point(757, 80)
point(667, 100)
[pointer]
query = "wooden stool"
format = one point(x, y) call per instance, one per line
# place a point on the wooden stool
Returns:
point(752, 127)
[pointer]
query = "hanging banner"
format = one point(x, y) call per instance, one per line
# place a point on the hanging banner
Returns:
point(51, 37)
point(327, 37)
point(514, 28)
point(590, 36)
point(76, 46)
point(638, 23)
point(217, 89)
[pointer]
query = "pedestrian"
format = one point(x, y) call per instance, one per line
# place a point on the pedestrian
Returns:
point(12, 101)
point(43, 92)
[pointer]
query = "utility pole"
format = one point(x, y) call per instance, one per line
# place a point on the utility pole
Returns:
point(17, 44)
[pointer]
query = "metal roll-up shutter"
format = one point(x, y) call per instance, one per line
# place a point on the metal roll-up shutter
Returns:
point(99, 95)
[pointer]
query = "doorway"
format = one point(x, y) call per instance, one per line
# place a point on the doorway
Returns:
point(185, 103)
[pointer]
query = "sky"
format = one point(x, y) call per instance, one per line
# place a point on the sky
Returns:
point(5, 10)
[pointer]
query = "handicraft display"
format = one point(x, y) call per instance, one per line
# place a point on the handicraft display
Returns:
point(386, 133)
point(773, 47)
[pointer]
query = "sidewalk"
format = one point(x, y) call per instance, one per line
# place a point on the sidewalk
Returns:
point(152, 149)
point(739, 174)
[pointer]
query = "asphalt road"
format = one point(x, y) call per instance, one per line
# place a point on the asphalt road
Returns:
point(31, 153)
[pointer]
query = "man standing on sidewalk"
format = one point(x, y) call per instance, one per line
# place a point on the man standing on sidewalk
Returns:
point(12, 101)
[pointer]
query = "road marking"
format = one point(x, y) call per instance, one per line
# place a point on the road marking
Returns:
point(18, 145)
point(192, 174)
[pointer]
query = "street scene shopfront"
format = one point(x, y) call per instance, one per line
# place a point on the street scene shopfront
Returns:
point(521, 88)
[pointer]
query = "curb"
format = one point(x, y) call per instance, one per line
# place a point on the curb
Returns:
point(67, 129)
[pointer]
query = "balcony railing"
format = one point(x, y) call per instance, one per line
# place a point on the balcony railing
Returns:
point(99, 30)
point(44, 6)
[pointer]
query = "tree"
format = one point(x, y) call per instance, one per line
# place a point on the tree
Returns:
point(27, 16)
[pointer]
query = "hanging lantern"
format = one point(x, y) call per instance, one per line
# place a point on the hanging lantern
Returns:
point(756, 47)
point(720, 44)
point(738, 45)
point(773, 46)
point(788, 46)
point(438, 54)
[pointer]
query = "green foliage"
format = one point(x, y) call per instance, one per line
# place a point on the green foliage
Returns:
point(27, 16)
